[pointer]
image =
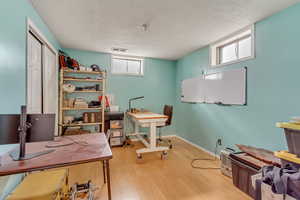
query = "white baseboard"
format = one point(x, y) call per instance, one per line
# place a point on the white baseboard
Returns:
point(197, 146)
point(163, 136)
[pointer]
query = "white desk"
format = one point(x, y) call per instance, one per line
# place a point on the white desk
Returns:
point(151, 120)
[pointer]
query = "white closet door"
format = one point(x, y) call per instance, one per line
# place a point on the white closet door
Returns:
point(34, 76)
point(50, 81)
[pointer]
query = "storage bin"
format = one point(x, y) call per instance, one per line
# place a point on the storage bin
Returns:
point(266, 191)
point(116, 137)
point(288, 158)
point(116, 133)
point(116, 141)
point(116, 124)
point(292, 134)
point(243, 168)
point(268, 194)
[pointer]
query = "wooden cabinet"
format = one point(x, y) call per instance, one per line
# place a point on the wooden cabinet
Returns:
point(114, 127)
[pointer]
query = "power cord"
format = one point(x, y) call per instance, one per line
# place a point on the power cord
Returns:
point(207, 159)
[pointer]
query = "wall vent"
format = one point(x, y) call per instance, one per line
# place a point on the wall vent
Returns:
point(123, 50)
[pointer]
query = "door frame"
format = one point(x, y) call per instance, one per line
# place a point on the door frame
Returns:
point(31, 28)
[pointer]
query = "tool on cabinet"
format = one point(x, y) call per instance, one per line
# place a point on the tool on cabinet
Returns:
point(72, 63)
point(94, 104)
point(107, 103)
point(96, 68)
point(88, 88)
point(92, 117)
point(62, 62)
point(69, 88)
point(68, 119)
point(80, 103)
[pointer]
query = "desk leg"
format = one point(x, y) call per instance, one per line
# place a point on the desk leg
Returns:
point(108, 179)
point(104, 172)
point(136, 128)
point(152, 135)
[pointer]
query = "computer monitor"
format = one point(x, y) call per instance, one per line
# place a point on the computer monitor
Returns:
point(42, 128)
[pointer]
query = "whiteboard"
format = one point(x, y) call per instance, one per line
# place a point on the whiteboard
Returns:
point(213, 91)
point(233, 87)
point(227, 87)
point(193, 90)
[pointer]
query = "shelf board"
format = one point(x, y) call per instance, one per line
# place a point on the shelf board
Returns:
point(82, 124)
point(98, 108)
point(86, 91)
point(82, 72)
point(83, 80)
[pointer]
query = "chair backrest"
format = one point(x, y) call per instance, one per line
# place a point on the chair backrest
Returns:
point(168, 110)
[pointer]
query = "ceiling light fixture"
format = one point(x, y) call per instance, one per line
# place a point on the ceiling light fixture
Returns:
point(145, 27)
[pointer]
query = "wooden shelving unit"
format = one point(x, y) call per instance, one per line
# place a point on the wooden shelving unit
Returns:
point(82, 72)
point(100, 108)
point(86, 91)
point(82, 80)
point(82, 124)
point(95, 77)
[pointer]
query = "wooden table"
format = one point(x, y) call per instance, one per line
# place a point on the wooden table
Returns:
point(87, 148)
point(151, 120)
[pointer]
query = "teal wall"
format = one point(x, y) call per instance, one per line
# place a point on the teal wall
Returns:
point(273, 85)
point(272, 82)
point(13, 16)
point(157, 84)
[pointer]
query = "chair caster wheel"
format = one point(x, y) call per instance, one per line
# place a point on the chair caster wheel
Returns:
point(164, 155)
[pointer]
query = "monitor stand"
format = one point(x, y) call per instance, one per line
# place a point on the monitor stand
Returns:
point(15, 155)
point(20, 154)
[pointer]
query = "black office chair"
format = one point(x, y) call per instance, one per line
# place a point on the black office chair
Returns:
point(168, 111)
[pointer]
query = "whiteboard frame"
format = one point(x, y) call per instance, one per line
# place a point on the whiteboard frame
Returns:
point(221, 104)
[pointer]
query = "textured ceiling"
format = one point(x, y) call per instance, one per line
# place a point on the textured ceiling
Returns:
point(176, 27)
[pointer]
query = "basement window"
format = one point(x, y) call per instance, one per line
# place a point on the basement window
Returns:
point(235, 48)
point(127, 66)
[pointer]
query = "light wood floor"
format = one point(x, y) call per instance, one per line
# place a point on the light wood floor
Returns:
point(156, 179)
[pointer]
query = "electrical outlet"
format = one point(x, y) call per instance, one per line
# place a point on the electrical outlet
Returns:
point(219, 141)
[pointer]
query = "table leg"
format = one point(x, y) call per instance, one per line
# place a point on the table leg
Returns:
point(152, 135)
point(108, 180)
point(136, 128)
point(104, 173)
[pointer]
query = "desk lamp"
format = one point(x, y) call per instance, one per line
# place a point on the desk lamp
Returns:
point(133, 99)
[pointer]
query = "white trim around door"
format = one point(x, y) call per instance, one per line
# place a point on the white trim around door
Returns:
point(47, 49)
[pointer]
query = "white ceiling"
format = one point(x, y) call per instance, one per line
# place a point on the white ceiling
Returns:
point(176, 27)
